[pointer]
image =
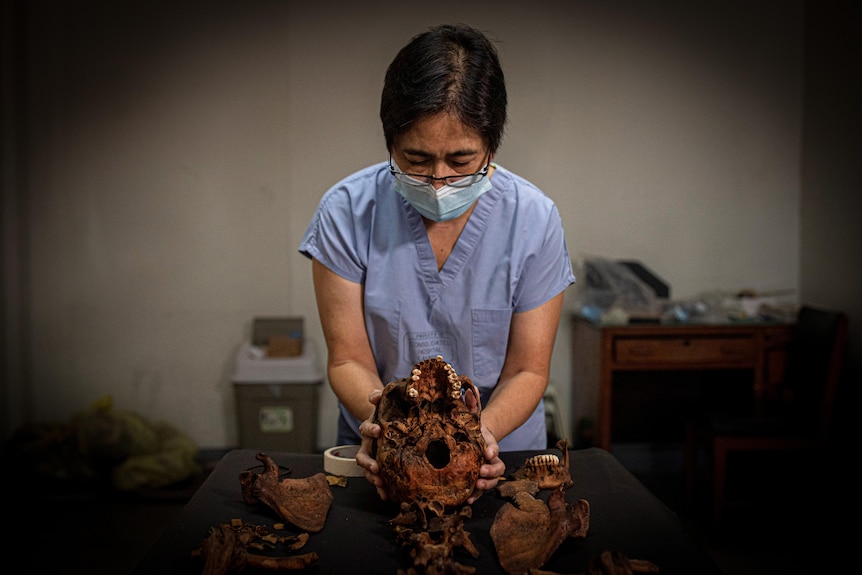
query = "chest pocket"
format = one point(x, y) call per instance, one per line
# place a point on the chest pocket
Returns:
point(490, 336)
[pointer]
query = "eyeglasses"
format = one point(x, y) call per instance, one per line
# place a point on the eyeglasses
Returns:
point(457, 181)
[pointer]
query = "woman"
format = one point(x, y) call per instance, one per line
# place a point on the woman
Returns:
point(439, 251)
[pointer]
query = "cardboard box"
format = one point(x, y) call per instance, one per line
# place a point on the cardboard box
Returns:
point(277, 400)
point(278, 336)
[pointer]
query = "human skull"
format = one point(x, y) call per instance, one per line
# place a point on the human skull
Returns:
point(431, 447)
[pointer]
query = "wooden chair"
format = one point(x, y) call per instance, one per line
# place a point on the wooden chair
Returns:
point(796, 416)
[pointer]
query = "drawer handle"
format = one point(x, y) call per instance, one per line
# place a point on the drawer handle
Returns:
point(642, 351)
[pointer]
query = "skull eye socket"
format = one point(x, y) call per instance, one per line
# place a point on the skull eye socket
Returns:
point(438, 454)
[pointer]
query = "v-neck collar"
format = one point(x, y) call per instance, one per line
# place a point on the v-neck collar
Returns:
point(436, 281)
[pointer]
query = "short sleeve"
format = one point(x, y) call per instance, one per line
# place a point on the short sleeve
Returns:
point(334, 235)
point(548, 270)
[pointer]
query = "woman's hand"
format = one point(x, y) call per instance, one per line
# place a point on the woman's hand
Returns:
point(370, 431)
point(493, 468)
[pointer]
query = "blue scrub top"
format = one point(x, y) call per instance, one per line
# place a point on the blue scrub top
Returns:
point(511, 257)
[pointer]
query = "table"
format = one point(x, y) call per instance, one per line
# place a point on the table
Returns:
point(625, 516)
point(602, 355)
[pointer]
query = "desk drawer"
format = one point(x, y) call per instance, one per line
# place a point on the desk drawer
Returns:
point(671, 351)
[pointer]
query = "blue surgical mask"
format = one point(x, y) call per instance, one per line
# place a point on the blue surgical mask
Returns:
point(442, 204)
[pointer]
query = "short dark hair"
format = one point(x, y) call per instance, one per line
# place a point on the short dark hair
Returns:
point(449, 68)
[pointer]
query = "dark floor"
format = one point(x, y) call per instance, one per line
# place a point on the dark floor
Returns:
point(90, 531)
point(753, 541)
point(94, 533)
point(788, 526)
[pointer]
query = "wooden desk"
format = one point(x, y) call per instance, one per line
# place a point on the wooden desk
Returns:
point(602, 355)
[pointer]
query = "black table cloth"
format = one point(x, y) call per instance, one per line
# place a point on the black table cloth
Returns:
point(357, 538)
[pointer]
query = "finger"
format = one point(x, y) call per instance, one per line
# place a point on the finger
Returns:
point(483, 485)
point(477, 493)
point(367, 463)
point(472, 400)
point(491, 472)
point(369, 430)
point(492, 448)
point(492, 452)
point(377, 483)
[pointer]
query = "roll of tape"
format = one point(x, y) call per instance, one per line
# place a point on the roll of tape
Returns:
point(341, 460)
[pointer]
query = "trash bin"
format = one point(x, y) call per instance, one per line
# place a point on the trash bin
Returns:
point(277, 400)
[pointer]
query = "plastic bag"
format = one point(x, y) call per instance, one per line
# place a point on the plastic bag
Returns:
point(608, 291)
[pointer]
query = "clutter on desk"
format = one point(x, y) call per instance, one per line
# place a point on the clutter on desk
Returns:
point(773, 305)
point(745, 305)
point(620, 292)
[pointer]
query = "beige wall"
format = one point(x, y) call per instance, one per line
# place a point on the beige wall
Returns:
point(174, 155)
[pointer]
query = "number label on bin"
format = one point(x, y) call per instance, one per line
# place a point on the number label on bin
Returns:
point(276, 419)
